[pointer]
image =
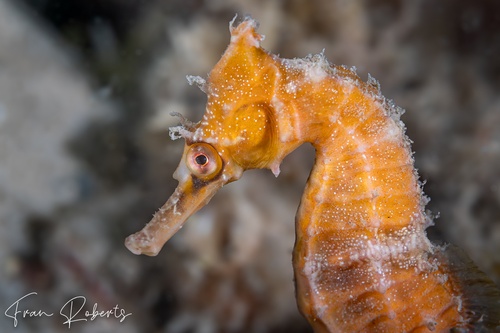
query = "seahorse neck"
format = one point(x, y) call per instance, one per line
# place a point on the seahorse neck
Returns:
point(363, 183)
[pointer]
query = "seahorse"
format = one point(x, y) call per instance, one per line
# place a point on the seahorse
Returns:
point(362, 260)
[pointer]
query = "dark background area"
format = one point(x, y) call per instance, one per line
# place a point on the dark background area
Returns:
point(86, 88)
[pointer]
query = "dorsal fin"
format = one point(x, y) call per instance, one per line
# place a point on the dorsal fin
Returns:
point(480, 296)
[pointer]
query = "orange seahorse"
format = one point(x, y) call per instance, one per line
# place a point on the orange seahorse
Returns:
point(362, 260)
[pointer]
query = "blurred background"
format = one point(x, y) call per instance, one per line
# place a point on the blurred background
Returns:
point(86, 88)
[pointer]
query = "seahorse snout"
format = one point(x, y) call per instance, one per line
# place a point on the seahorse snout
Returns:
point(201, 173)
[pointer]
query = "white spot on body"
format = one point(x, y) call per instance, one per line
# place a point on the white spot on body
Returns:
point(175, 210)
point(316, 73)
point(334, 118)
point(393, 132)
point(291, 87)
point(227, 108)
point(284, 120)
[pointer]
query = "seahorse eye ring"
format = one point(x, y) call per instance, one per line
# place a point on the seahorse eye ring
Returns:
point(203, 161)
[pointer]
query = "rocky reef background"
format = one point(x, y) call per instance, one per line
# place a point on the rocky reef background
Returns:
point(86, 88)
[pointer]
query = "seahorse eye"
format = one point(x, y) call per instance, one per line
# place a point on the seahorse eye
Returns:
point(203, 161)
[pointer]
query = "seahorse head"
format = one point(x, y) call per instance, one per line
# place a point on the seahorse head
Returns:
point(240, 121)
point(238, 131)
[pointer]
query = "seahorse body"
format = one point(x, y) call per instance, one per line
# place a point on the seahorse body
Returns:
point(362, 260)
